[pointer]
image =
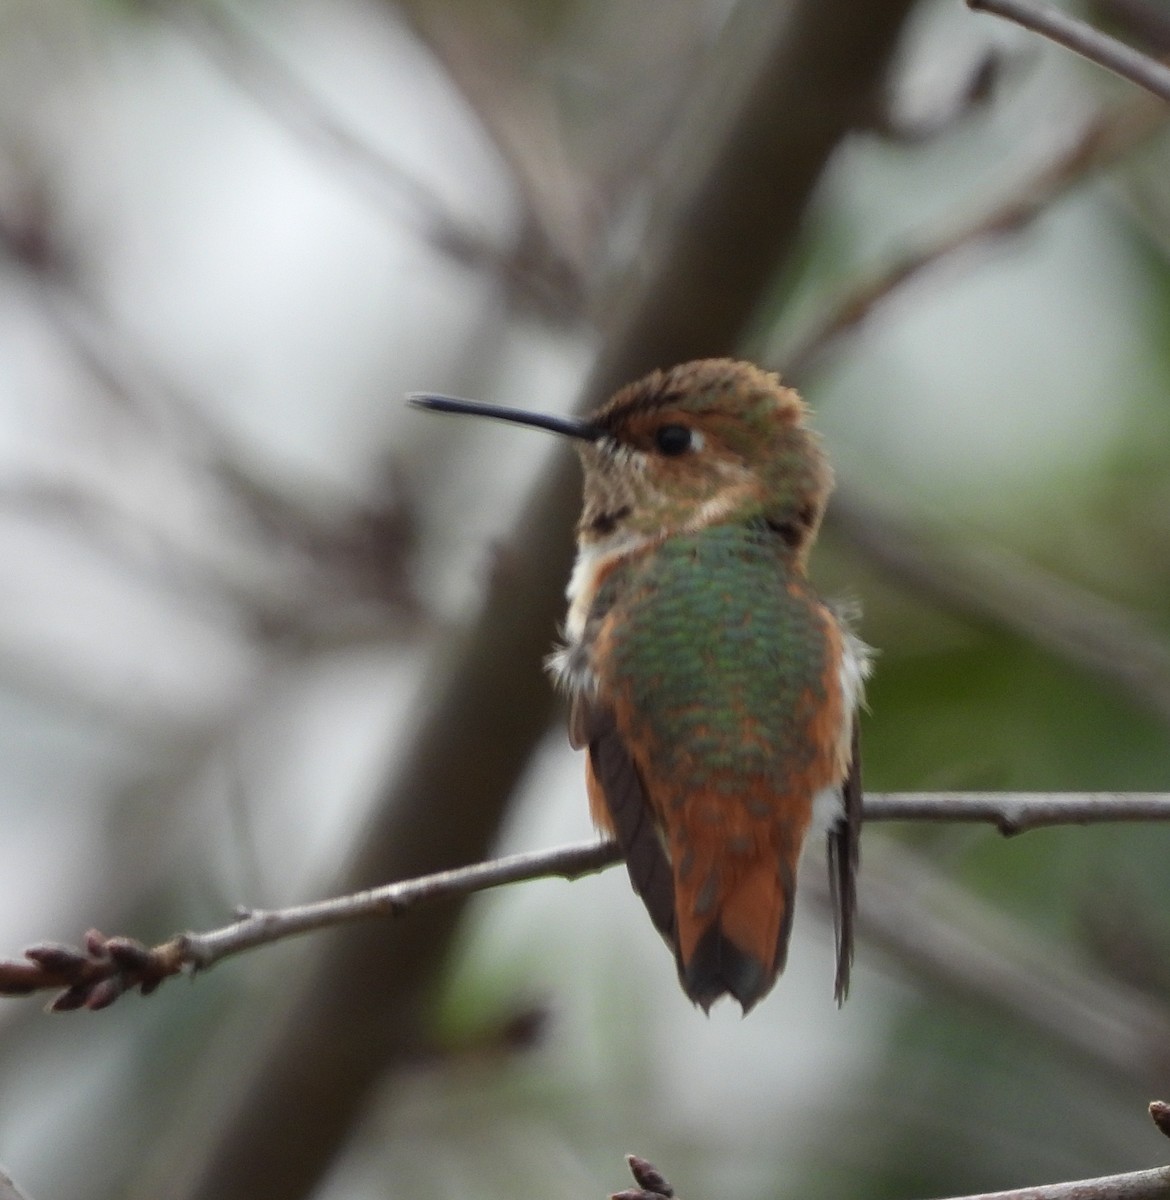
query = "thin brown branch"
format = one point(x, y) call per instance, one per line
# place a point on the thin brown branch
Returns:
point(95, 975)
point(258, 928)
point(1153, 1184)
point(1101, 142)
point(1082, 38)
point(1017, 812)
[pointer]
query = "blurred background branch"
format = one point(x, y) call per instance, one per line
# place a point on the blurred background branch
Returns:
point(1083, 39)
point(1102, 141)
point(545, 283)
point(8, 1189)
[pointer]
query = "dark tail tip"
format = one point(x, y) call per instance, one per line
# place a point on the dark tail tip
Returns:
point(719, 967)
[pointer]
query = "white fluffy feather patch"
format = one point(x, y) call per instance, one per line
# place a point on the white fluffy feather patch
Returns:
point(856, 664)
point(569, 665)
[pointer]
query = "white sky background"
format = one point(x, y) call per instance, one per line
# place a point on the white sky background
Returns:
point(295, 314)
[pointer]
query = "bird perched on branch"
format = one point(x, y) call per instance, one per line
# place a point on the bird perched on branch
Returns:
point(715, 692)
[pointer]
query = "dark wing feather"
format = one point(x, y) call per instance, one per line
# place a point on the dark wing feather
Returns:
point(844, 855)
point(633, 822)
point(583, 717)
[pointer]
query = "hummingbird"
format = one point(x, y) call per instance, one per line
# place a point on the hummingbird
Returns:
point(716, 694)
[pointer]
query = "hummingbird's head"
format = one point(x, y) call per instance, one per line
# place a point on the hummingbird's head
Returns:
point(704, 443)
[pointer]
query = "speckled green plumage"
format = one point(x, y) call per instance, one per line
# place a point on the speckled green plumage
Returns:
point(721, 653)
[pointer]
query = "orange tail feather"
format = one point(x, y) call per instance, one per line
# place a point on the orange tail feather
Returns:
point(734, 918)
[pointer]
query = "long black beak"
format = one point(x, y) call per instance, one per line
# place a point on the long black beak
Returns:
point(566, 426)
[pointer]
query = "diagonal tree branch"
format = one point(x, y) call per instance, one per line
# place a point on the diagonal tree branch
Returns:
point(1083, 39)
point(1101, 142)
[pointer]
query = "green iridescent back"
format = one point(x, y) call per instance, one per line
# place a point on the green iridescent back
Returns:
point(720, 650)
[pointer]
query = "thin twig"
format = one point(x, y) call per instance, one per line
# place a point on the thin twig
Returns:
point(1133, 1185)
point(1083, 39)
point(257, 928)
point(95, 975)
point(1017, 812)
point(1101, 142)
point(1153, 1184)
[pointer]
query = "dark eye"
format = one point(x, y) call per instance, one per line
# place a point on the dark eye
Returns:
point(672, 440)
